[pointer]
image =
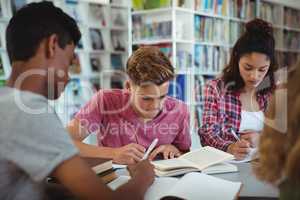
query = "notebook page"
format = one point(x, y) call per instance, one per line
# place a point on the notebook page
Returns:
point(195, 186)
point(156, 191)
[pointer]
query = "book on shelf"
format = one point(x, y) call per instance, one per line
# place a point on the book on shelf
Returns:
point(150, 29)
point(243, 9)
point(236, 30)
point(75, 67)
point(210, 29)
point(97, 14)
point(204, 5)
point(96, 39)
point(118, 18)
point(116, 61)
point(95, 84)
point(291, 39)
point(192, 186)
point(287, 59)
point(177, 87)
point(205, 159)
point(218, 7)
point(117, 80)
point(270, 12)
point(72, 9)
point(200, 82)
point(118, 44)
point(96, 64)
point(183, 59)
point(210, 58)
point(291, 18)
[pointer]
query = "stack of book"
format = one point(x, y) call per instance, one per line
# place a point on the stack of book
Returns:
point(102, 167)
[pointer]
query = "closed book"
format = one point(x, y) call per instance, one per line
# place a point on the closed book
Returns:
point(99, 165)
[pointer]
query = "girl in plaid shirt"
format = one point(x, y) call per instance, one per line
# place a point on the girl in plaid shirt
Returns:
point(244, 88)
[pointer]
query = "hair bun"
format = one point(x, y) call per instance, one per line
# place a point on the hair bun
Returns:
point(259, 26)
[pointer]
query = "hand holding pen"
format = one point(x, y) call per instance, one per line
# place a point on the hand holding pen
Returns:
point(239, 149)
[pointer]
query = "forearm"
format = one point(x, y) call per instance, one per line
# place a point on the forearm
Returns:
point(88, 150)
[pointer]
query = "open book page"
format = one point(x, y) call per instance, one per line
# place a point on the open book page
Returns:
point(195, 186)
point(170, 164)
point(174, 172)
point(206, 156)
point(248, 158)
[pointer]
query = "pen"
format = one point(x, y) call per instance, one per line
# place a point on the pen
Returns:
point(150, 148)
point(234, 135)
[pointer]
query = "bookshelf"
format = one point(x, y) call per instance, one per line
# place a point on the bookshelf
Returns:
point(100, 56)
point(198, 36)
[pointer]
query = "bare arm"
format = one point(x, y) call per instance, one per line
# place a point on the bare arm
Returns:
point(128, 154)
point(82, 182)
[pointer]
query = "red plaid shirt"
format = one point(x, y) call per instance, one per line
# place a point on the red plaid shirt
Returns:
point(221, 113)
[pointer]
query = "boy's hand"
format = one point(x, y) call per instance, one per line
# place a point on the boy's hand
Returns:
point(240, 149)
point(143, 171)
point(167, 150)
point(129, 154)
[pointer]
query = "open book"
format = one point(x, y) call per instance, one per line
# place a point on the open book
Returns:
point(207, 160)
point(192, 186)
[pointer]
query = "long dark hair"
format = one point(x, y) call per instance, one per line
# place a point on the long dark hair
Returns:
point(259, 38)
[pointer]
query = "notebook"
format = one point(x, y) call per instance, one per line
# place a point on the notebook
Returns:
point(206, 159)
point(192, 186)
point(98, 165)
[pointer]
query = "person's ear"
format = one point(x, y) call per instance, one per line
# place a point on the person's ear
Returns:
point(51, 45)
point(128, 85)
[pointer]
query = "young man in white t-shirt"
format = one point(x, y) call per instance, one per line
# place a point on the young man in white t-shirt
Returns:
point(41, 40)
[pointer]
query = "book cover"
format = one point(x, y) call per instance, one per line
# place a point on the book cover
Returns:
point(116, 41)
point(96, 39)
point(96, 63)
point(97, 14)
point(116, 61)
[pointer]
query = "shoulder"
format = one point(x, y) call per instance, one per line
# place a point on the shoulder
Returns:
point(215, 86)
